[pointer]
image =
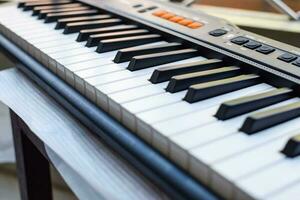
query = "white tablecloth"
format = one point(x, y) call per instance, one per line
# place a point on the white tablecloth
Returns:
point(89, 167)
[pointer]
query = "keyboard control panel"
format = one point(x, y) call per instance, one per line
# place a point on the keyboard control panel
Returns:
point(212, 33)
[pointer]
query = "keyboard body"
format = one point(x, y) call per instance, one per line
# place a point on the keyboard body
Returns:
point(220, 102)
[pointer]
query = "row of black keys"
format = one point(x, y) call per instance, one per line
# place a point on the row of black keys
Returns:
point(203, 79)
point(111, 31)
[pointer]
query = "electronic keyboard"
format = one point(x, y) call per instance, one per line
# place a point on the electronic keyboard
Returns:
point(219, 102)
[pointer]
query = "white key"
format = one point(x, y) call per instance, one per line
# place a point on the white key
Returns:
point(225, 173)
point(288, 193)
point(146, 120)
point(100, 70)
point(82, 62)
point(102, 100)
point(69, 53)
point(132, 94)
point(130, 109)
point(64, 48)
point(270, 180)
point(81, 58)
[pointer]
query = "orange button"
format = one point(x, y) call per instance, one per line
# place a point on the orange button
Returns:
point(195, 25)
point(176, 19)
point(167, 16)
point(159, 13)
point(186, 22)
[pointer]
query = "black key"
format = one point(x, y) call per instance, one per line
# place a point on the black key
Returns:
point(247, 104)
point(44, 13)
point(52, 17)
point(77, 26)
point(61, 23)
point(125, 55)
point(152, 8)
point(95, 39)
point(137, 6)
point(120, 43)
point(182, 82)
point(150, 60)
point(84, 34)
point(165, 73)
point(266, 119)
point(214, 88)
point(38, 9)
point(292, 148)
point(31, 5)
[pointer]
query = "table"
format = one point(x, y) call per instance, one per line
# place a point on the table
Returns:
point(32, 162)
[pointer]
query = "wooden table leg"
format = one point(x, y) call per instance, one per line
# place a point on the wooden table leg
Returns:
point(32, 166)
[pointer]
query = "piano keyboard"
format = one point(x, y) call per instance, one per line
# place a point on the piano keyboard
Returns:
point(226, 124)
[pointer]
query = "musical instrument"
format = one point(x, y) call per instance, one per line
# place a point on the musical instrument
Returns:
point(220, 102)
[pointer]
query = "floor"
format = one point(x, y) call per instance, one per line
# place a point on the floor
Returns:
point(9, 189)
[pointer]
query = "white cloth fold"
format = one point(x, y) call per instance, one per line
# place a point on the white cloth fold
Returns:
point(6, 141)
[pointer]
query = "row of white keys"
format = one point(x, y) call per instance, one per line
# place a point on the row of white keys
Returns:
point(135, 90)
point(104, 90)
point(145, 120)
point(202, 157)
point(91, 58)
point(184, 126)
point(33, 35)
point(57, 45)
point(131, 109)
point(68, 57)
point(188, 145)
point(58, 42)
point(227, 172)
point(96, 69)
point(78, 74)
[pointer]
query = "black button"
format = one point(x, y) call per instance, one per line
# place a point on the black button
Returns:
point(297, 62)
point(252, 45)
point(137, 5)
point(218, 32)
point(142, 11)
point(265, 49)
point(240, 40)
point(287, 57)
point(152, 8)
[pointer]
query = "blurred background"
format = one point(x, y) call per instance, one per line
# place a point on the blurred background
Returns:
point(257, 16)
point(258, 5)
